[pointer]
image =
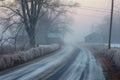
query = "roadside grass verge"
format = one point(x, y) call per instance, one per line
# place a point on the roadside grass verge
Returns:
point(11, 60)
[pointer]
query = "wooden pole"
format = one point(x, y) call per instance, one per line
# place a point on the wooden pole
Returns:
point(111, 22)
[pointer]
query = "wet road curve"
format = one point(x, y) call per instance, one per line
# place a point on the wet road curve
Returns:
point(64, 65)
point(84, 67)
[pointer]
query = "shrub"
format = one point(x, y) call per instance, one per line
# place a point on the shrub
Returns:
point(7, 61)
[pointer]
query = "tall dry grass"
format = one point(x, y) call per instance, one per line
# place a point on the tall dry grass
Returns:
point(112, 55)
point(10, 60)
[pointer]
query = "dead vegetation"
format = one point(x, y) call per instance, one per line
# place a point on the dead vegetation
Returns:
point(10, 60)
point(110, 70)
point(112, 55)
point(109, 59)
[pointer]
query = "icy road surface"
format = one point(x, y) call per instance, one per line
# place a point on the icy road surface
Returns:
point(64, 65)
point(85, 67)
point(40, 68)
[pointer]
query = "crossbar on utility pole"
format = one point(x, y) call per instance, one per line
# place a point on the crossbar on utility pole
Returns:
point(111, 22)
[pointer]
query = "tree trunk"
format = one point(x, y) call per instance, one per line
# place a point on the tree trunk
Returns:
point(31, 35)
point(32, 40)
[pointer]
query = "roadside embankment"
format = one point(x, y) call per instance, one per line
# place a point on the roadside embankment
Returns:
point(109, 59)
point(11, 60)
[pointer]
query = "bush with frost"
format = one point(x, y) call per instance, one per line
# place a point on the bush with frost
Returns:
point(116, 58)
point(20, 57)
point(112, 55)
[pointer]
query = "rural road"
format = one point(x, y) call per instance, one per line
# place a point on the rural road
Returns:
point(68, 64)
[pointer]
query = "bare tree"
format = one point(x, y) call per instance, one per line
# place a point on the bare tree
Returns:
point(30, 13)
point(31, 10)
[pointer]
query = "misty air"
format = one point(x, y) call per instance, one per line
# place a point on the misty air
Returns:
point(59, 40)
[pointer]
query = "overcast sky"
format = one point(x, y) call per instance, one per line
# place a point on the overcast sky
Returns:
point(90, 14)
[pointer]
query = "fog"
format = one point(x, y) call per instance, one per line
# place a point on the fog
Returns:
point(91, 17)
point(76, 24)
point(59, 39)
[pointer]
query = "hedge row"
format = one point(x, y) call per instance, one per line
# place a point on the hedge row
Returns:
point(7, 61)
point(113, 55)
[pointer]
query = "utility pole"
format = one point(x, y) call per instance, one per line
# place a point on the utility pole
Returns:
point(111, 23)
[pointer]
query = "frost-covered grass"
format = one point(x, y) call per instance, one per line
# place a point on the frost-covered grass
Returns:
point(112, 55)
point(10, 60)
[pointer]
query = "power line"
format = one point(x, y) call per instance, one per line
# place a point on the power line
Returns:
point(118, 2)
point(100, 11)
point(116, 6)
point(95, 8)
point(93, 16)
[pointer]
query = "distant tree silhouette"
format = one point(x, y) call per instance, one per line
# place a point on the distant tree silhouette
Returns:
point(30, 12)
